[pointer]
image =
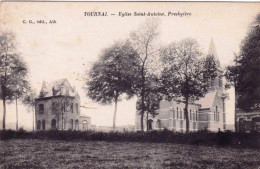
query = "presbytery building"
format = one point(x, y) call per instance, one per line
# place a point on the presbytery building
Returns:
point(58, 107)
point(206, 113)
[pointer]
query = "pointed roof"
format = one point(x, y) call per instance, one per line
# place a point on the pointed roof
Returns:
point(212, 49)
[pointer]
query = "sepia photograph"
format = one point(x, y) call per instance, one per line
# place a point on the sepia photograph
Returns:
point(130, 85)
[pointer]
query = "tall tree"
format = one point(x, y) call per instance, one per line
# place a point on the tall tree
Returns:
point(143, 41)
point(111, 75)
point(244, 74)
point(29, 100)
point(186, 76)
point(12, 69)
point(152, 100)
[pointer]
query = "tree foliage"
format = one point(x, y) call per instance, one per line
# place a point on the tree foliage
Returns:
point(112, 75)
point(244, 74)
point(186, 75)
point(13, 71)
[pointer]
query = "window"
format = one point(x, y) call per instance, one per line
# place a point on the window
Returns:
point(177, 113)
point(194, 125)
point(53, 124)
point(214, 116)
point(71, 124)
point(77, 124)
point(196, 115)
point(41, 108)
point(220, 82)
point(181, 124)
point(180, 114)
point(84, 125)
point(216, 113)
point(39, 125)
point(77, 108)
point(43, 124)
point(173, 113)
point(184, 114)
point(224, 118)
point(190, 115)
point(71, 107)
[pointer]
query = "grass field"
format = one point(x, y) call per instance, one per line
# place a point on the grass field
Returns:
point(19, 153)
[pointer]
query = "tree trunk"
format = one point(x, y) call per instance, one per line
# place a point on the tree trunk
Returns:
point(114, 118)
point(33, 117)
point(186, 115)
point(16, 114)
point(147, 121)
point(4, 112)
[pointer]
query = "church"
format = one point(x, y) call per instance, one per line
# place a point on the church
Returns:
point(58, 107)
point(206, 113)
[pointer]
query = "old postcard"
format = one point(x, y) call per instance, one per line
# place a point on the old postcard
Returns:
point(129, 84)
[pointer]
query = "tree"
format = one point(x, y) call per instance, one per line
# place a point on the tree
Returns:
point(29, 100)
point(13, 70)
point(152, 100)
point(244, 74)
point(143, 41)
point(111, 75)
point(185, 75)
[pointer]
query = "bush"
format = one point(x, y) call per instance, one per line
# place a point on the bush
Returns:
point(240, 140)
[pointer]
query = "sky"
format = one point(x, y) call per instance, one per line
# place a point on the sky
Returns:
point(68, 48)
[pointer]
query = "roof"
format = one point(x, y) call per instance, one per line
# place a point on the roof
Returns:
point(57, 87)
point(207, 100)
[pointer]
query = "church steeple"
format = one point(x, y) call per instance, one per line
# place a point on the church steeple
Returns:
point(212, 49)
point(216, 83)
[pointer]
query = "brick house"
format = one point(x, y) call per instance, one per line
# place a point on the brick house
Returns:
point(58, 107)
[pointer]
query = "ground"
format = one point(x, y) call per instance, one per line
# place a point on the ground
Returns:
point(64, 154)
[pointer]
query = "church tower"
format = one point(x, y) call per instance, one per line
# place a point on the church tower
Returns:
point(217, 83)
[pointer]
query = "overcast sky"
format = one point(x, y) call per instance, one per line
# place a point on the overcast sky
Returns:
point(68, 48)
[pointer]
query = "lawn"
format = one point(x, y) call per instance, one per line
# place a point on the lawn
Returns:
point(26, 153)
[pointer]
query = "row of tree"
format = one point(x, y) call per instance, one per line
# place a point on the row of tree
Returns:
point(137, 67)
point(13, 76)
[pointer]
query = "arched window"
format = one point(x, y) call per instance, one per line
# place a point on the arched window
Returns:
point(196, 115)
point(71, 124)
point(53, 124)
point(39, 125)
point(84, 125)
point(43, 124)
point(41, 108)
point(190, 115)
point(77, 124)
point(77, 108)
point(177, 113)
point(71, 107)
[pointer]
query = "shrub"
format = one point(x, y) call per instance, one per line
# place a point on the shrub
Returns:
point(240, 140)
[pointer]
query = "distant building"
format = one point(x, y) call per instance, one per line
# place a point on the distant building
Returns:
point(249, 121)
point(58, 107)
point(207, 113)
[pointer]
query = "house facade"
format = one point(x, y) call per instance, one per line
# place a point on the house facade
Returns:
point(206, 113)
point(58, 107)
